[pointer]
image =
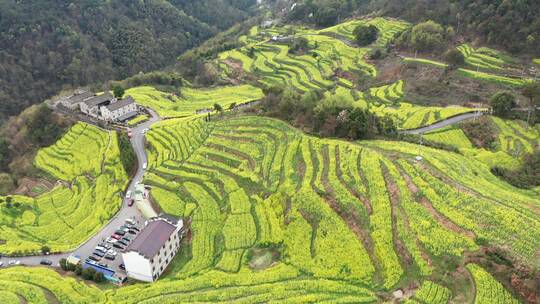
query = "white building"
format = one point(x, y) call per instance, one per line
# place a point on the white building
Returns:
point(93, 105)
point(154, 248)
point(108, 108)
point(119, 110)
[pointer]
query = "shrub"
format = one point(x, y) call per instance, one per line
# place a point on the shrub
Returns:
point(365, 34)
point(454, 57)
point(502, 104)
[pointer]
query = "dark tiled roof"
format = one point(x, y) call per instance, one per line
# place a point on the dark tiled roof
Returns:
point(169, 218)
point(120, 104)
point(79, 97)
point(127, 115)
point(94, 101)
point(151, 238)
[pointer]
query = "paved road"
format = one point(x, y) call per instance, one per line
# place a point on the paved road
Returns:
point(86, 249)
point(443, 123)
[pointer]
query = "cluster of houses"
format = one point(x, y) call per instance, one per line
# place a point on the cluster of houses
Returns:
point(103, 107)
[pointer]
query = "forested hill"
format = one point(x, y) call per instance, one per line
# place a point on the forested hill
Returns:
point(512, 24)
point(49, 44)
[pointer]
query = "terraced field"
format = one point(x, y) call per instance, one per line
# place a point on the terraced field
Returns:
point(514, 141)
point(473, 74)
point(484, 58)
point(189, 101)
point(86, 161)
point(351, 219)
point(388, 28)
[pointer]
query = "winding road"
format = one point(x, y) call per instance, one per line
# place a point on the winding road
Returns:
point(86, 249)
point(443, 123)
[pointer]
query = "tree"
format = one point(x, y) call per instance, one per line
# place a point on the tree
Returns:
point(218, 108)
point(63, 264)
point(98, 277)
point(45, 249)
point(427, 36)
point(365, 34)
point(454, 57)
point(88, 273)
point(232, 106)
point(325, 16)
point(531, 90)
point(7, 183)
point(118, 91)
point(78, 269)
point(502, 104)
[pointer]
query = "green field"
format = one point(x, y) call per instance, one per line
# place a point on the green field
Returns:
point(476, 75)
point(337, 211)
point(514, 140)
point(189, 100)
point(86, 161)
point(280, 216)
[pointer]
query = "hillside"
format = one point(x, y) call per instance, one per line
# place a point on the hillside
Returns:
point(303, 174)
point(47, 46)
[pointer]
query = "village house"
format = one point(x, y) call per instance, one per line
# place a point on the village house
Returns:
point(119, 110)
point(92, 106)
point(72, 102)
point(154, 248)
point(106, 107)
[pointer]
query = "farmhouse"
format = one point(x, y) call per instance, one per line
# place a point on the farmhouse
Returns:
point(120, 110)
point(91, 106)
point(108, 108)
point(72, 102)
point(154, 248)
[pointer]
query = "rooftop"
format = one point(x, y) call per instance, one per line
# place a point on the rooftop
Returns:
point(76, 98)
point(120, 104)
point(97, 100)
point(151, 238)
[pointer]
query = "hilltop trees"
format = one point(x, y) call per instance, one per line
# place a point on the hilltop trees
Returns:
point(502, 104)
point(428, 36)
point(365, 34)
point(330, 116)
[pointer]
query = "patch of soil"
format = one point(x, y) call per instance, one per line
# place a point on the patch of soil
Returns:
point(33, 187)
point(263, 258)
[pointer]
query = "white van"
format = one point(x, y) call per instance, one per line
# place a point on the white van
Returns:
point(144, 166)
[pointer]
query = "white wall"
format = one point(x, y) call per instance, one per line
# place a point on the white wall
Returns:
point(137, 266)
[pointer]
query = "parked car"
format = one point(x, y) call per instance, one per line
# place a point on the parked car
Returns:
point(102, 249)
point(103, 264)
point(106, 246)
point(93, 258)
point(126, 238)
point(111, 252)
point(120, 232)
point(135, 228)
point(132, 231)
point(122, 266)
point(110, 240)
point(122, 242)
point(45, 262)
point(98, 253)
point(110, 257)
point(128, 194)
point(117, 245)
point(1, 264)
point(130, 221)
point(14, 262)
point(131, 202)
point(116, 236)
